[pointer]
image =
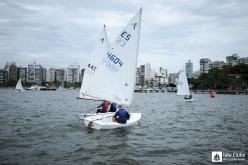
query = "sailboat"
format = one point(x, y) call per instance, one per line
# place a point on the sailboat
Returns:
point(113, 77)
point(19, 85)
point(212, 93)
point(183, 87)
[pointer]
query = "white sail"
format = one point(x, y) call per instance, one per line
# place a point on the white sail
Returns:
point(19, 85)
point(95, 59)
point(114, 79)
point(182, 85)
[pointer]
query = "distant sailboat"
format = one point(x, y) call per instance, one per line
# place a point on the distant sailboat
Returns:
point(19, 85)
point(113, 77)
point(183, 87)
point(212, 93)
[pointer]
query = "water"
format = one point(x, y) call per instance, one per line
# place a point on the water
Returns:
point(39, 127)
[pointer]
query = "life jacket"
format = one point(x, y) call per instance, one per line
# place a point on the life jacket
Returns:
point(113, 107)
point(122, 115)
point(105, 106)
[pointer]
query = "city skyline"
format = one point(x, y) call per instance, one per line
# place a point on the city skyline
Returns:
point(171, 33)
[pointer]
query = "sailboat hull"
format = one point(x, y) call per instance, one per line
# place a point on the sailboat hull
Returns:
point(82, 116)
point(106, 121)
point(189, 100)
point(19, 90)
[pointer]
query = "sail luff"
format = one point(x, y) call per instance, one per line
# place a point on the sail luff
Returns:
point(137, 51)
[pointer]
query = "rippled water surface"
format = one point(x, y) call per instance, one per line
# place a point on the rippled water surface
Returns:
point(39, 127)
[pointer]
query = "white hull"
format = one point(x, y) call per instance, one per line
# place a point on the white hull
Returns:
point(19, 90)
point(105, 121)
point(189, 100)
point(82, 116)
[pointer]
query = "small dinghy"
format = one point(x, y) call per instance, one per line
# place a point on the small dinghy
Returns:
point(19, 87)
point(189, 100)
point(110, 75)
point(183, 87)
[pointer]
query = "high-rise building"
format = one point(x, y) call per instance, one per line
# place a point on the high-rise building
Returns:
point(163, 72)
point(217, 64)
point(73, 73)
point(189, 69)
point(148, 71)
point(60, 74)
point(50, 75)
point(232, 60)
point(35, 73)
point(143, 74)
point(173, 78)
point(12, 74)
point(22, 73)
point(43, 75)
point(204, 65)
point(3, 77)
point(243, 60)
point(138, 75)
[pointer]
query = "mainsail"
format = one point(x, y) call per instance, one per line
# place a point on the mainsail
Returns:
point(182, 85)
point(19, 85)
point(95, 59)
point(114, 79)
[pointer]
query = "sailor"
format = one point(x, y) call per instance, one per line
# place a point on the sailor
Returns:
point(103, 107)
point(188, 97)
point(121, 116)
point(113, 107)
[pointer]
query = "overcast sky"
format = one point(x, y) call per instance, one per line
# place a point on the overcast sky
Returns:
point(59, 33)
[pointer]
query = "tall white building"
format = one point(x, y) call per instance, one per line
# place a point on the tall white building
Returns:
point(73, 73)
point(50, 75)
point(35, 73)
point(148, 72)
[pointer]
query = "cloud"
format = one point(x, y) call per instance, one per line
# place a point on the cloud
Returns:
point(58, 33)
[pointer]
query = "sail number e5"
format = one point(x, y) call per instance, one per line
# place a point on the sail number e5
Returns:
point(122, 40)
point(125, 35)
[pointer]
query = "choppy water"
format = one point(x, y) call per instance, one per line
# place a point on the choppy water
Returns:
point(43, 128)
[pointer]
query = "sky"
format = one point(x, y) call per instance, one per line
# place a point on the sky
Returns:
point(59, 33)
